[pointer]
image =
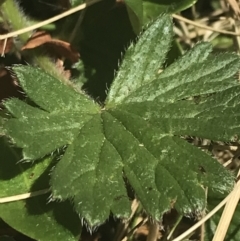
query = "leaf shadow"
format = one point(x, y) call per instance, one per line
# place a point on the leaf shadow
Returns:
point(62, 212)
point(40, 206)
point(10, 160)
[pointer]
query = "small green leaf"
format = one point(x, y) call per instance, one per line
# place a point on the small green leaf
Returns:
point(135, 13)
point(153, 8)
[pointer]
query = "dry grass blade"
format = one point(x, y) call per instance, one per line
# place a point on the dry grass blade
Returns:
point(203, 220)
point(227, 214)
point(48, 21)
point(23, 196)
point(4, 47)
point(234, 6)
point(231, 202)
point(180, 18)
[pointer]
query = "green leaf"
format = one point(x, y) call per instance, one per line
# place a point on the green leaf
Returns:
point(61, 101)
point(142, 61)
point(208, 78)
point(136, 136)
point(58, 95)
point(135, 13)
point(35, 217)
point(96, 180)
point(153, 8)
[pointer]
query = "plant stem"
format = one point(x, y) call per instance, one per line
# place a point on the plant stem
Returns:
point(14, 18)
point(45, 63)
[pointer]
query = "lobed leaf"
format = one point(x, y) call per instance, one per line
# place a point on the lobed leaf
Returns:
point(137, 135)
